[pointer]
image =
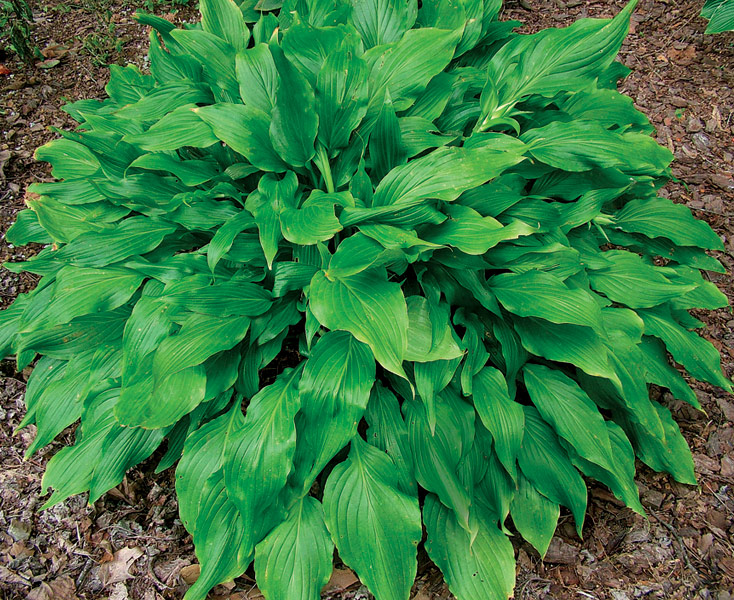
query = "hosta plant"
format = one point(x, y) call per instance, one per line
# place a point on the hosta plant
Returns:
point(370, 275)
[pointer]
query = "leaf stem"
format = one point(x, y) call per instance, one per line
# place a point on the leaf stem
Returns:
point(322, 162)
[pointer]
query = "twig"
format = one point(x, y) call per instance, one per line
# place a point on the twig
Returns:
point(682, 546)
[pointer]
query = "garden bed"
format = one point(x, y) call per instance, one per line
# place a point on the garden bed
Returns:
point(131, 544)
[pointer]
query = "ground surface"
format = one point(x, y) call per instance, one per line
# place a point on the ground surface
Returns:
point(131, 544)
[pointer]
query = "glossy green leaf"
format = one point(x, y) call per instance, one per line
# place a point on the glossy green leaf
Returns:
point(502, 416)
point(537, 294)
point(295, 122)
point(299, 546)
point(475, 566)
point(334, 391)
point(375, 526)
point(545, 463)
point(534, 516)
point(224, 19)
point(447, 172)
point(369, 307)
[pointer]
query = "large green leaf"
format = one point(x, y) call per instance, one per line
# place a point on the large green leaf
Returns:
point(538, 294)
point(447, 172)
point(334, 391)
point(136, 235)
point(551, 61)
point(259, 456)
point(383, 21)
point(585, 145)
point(387, 431)
point(628, 280)
point(567, 408)
point(295, 122)
point(546, 464)
point(369, 307)
point(245, 130)
point(660, 217)
point(502, 416)
point(437, 454)
point(341, 97)
point(206, 508)
point(534, 516)
point(404, 68)
point(695, 353)
point(224, 18)
point(376, 527)
point(301, 547)
point(474, 566)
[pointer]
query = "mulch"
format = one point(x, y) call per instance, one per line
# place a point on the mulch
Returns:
point(131, 544)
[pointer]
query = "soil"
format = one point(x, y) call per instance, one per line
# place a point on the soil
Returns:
point(130, 544)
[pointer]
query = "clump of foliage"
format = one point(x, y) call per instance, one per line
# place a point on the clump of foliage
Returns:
point(363, 268)
point(720, 14)
point(16, 18)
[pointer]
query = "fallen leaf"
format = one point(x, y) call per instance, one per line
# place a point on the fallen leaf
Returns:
point(61, 588)
point(8, 576)
point(48, 63)
point(190, 573)
point(4, 70)
point(119, 592)
point(340, 580)
point(4, 158)
point(118, 569)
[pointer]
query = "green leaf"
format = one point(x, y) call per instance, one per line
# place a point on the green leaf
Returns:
point(438, 454)
point(660, 217)
point(474, 566)
point(546, 464)
point(182, 127)
point(301, 547)
point(551, 61)
point(387, 431)
point(71, 470)
point(69, 160)
point(628, 280)
point(295, 122)
point(205, 507)
point(200, 337)
point(382, 21)
point(224, 19)
point(226, 299)
point(404, 68)
point(585, 145)
point(136, 235)
point(534, 516)
point(538, 294)
point(249, 137)
point(369, 307)
point(580, 346)
point(224, 237)
point(567, 408)
point(375, 526)
point(334, 391)
point(259, 456)
point(313, 222)
point(472, 233)
point(447, 172)
point(429, 332)
point(341, 97)
point(122, 449)
point(695, 353)
point(81, 291)
point(721, 13)
point(258, 77)
point(502, 416)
